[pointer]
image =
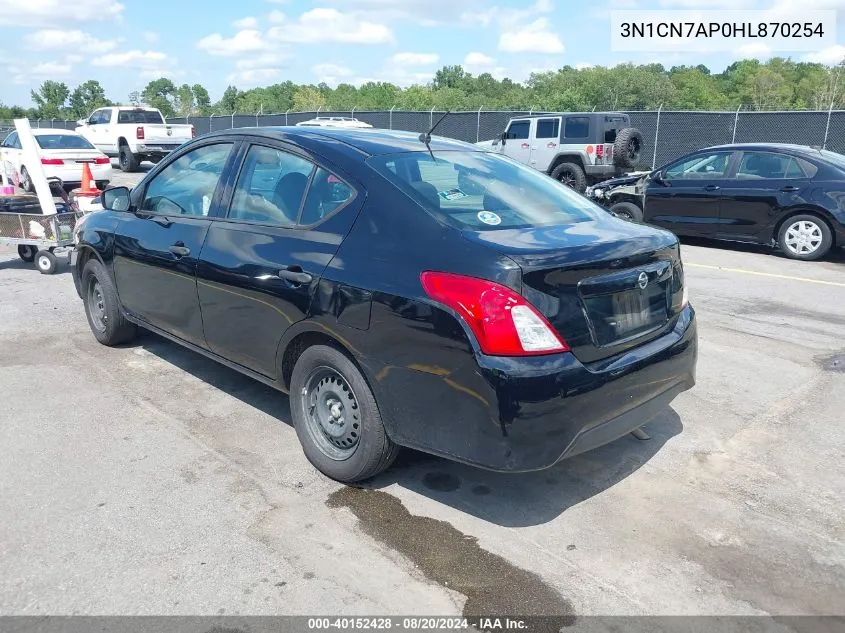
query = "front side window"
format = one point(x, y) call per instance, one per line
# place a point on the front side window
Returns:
point(548, 128)
point(768, 166)
point(519, 130)
point(187, 185)
point(702, 166)
point(483, 191)
point(577, 127)
point(271, 187)
point(11, 140)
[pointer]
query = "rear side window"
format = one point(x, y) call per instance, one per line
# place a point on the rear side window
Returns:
point(483, 191)
point(327, 194)
point(519, 130)
point(271, 187)
point(577, 127)
point(768, 166)
point(187, 185)
point(548, 128)
point(138, 116)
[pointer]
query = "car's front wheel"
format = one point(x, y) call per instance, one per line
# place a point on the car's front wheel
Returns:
point(627, 211)
point(805, 237)
point(102, 308)
point(336, 417)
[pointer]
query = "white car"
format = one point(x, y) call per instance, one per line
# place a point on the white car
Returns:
point(334, 121)
point(62, 154)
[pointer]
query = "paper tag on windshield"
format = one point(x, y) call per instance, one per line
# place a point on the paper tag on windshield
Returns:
point(452, 194)
point(206, 204)
point(488, 217)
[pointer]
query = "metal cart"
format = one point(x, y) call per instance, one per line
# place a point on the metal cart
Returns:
point(38, 236)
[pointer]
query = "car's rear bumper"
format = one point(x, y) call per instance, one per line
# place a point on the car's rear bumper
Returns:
point(522, 414)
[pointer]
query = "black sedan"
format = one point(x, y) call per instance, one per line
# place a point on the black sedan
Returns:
point(430, 295)
point(786, 195)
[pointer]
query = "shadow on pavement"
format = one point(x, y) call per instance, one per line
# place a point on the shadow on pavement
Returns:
point(836, 255)
point(506, 499)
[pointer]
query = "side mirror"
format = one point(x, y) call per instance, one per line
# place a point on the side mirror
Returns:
point(658, 176)
point(116, 199)
point(504, 138)
point(82, 122)
point(496, 142)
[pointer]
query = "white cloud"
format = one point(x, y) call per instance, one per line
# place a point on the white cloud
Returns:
point(150, 37)
point(246, 23)
point(829, 56)
point(507, 16)
point(157, 73)
point(255, 69)
point(531, 38)
point(57, 13)
point(253, 76)
point(331, 74)
point(265, 60)
point(50, 69)
point(414, 59)
point(277, 17)
point(583, 66)
point(131, 59)
point(53, 39)
point(479, 63)
point(246, 41)
point(756, 50)
point(329, 25)
point(421, 12)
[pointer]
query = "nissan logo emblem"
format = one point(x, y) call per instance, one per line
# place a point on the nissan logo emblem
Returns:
point(642, 281)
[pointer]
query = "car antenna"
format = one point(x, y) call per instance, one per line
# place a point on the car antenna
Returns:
point(425, 137)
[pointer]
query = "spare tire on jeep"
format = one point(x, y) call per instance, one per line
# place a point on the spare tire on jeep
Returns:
point(628, 147)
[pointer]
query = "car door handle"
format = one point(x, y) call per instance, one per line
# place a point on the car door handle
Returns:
point(180, 250)
point(712, 188)
point(295, 275)
point(790, 189)
point(160, 219)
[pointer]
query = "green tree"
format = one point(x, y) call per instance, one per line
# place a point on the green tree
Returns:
point(86, 98)
point(229, 101)
point(160, 93)
point(308, 99)
point(184, 102)
point(50, 99)
point(202, 100)
point(134, 98)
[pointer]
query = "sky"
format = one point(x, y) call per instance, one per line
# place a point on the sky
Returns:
point(126, 43)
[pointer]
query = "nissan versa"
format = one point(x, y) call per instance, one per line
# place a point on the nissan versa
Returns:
point(405, 290)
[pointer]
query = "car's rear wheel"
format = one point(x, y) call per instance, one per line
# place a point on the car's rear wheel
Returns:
point(571, 175)
point(627, 211)
point(102, 308)
point(26, 181)
point(127, 160)
point(805, 237)
point(27, 252)
point(336, 417)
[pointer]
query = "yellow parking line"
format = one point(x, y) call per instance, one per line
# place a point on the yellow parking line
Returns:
point(759, 274)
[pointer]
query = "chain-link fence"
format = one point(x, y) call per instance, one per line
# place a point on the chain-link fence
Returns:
point(667, 134)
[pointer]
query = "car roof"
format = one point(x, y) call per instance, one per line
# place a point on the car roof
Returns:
point(370, 141)
point(46, 130)
point(543, 115)
point(779, 147)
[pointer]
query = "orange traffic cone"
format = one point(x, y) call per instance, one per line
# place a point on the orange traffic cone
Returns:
point(89, 186)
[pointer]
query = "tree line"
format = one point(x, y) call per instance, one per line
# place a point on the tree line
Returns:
point(777, 84)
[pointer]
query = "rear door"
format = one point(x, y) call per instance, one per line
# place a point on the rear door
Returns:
point(764, 183)
point(517, 142)
point(157, 246)
point(688, 199)
point(544, 146)
point(264, 257)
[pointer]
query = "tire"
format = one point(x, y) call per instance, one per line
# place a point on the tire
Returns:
point(627, 211)
point(325, 381)
point(571, 175)
point(628, 147)
point(26, 181)
point(45, 262)
point(102, 307)
point(27, 253)
point(127, 160)
point(805, 237)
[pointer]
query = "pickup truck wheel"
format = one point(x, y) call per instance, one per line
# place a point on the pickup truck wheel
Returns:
point(627, 211)
point(127, 160)
point(571, 175)
point(336, 417)
point(628, 147)
point(102, 308)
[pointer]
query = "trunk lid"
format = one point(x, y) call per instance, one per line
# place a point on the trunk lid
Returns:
point(605, 285)
point(158, 133)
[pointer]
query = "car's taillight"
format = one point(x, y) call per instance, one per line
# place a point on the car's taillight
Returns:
point(139, 133)
point(504, 323)
point(102, 160)
point(193, 132)
point(52, 161)
point(599, 151)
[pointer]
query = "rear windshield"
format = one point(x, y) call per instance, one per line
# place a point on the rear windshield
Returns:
point(62, 141)
point(482, 191)
point(139, 116)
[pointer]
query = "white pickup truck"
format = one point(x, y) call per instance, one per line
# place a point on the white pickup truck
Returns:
point(133, 134)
